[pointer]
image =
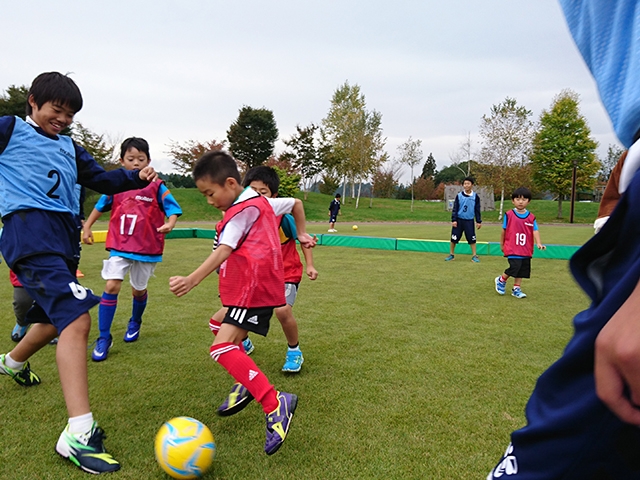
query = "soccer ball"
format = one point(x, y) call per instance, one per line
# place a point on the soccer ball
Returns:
point(355, 227)
point(184, 447)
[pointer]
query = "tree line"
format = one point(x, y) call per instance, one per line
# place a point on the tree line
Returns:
point(346, 150)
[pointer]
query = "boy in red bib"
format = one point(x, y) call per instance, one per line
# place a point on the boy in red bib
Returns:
point(519, 232)
point(135, 242)
point(251, 280)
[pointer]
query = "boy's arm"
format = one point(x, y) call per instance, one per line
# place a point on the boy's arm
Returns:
point(312, 273)
point(617, 361)
point(93, 176)
point(536, 237)
point(306, 240)
point(454, 212)
point(87, 234)
point(169, 225)
point(180, 286)
point(477, 212)
point(502, 234)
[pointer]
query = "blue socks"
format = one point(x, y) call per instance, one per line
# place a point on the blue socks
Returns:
point(139, 304)
point(106, 312)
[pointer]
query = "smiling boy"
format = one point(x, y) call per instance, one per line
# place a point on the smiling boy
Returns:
point(39, 203)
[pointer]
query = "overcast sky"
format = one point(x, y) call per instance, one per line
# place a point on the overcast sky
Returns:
point(180, 70)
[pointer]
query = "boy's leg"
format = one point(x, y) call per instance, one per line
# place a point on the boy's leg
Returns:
point(16, 364)
point(279, 407)
point(139, 275)
point(106, 313)
point(294, 359)
point(71, 357)
point(22, 302)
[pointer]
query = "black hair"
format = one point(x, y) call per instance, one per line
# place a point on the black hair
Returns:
point(55, 88)
point(138, 143)
point(217, 166)
point(338, 195)
point(469, 179)
point(264, 174)
point(521, 192)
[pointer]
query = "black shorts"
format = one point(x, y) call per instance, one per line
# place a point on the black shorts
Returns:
point(466, 226)
point(519, 267)
point(251, 319)
point(333, 218)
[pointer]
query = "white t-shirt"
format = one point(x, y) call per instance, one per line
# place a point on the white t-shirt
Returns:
point(240, 224)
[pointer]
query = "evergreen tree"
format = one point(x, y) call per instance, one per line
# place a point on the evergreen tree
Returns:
point(429, 169)
point(252, 136)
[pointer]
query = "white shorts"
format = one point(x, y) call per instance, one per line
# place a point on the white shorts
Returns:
point(115, 268)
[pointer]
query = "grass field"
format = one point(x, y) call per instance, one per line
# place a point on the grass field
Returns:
point(415, 368)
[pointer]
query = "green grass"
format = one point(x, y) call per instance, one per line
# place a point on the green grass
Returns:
point(415, 368)
point(386, 210)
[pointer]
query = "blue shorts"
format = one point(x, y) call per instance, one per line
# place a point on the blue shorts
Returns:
point(333, 218)
point(51, 281)
point(466, 226)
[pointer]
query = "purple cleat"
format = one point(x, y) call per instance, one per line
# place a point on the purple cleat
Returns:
point(279, 420)
point(238, 398)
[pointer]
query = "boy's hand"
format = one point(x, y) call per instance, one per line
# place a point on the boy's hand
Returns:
point(454, 224)
point(180, 286)
point(87, 236)
point(479, 225)
point(148, 174)
point(166, 228)
point(312, 273)
point(542, 247)
point(307, 241)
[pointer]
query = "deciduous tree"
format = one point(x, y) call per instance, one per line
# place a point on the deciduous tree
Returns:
point(410, 154)
point(184, 155)
point(562, 142)
point(352, 136)
point(304, 155)
point(506, 141)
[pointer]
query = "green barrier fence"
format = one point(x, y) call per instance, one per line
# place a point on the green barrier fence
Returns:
point(558, 252)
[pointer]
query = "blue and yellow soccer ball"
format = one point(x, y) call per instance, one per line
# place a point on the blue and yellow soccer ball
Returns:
point(184, 447)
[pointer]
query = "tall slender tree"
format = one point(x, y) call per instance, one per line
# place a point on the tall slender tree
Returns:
point(410, 154)
point(352, 136)
point(506, 141)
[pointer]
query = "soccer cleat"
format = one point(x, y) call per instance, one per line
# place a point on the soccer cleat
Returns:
point(54, 341)
point(238, 398)
point(449, 258)
point(24, 376)
point(101, 350)
point(279, 421)
point(293, 363)
point(500, 285)
point(475, 259)
point(87, 450)
point(516, 292)
point(248, 346)
point(133, 331)
point(18, 332)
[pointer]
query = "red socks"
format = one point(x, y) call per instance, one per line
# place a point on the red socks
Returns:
point(245, 371)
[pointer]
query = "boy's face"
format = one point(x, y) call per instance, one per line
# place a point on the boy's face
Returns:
point(52, 117)
point(134, 159)
point(520, 203)
point(467, 185)
point(262, 188)
point(219, 196)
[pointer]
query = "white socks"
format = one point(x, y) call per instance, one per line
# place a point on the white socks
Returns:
point(11, 363)
point(81, 424)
